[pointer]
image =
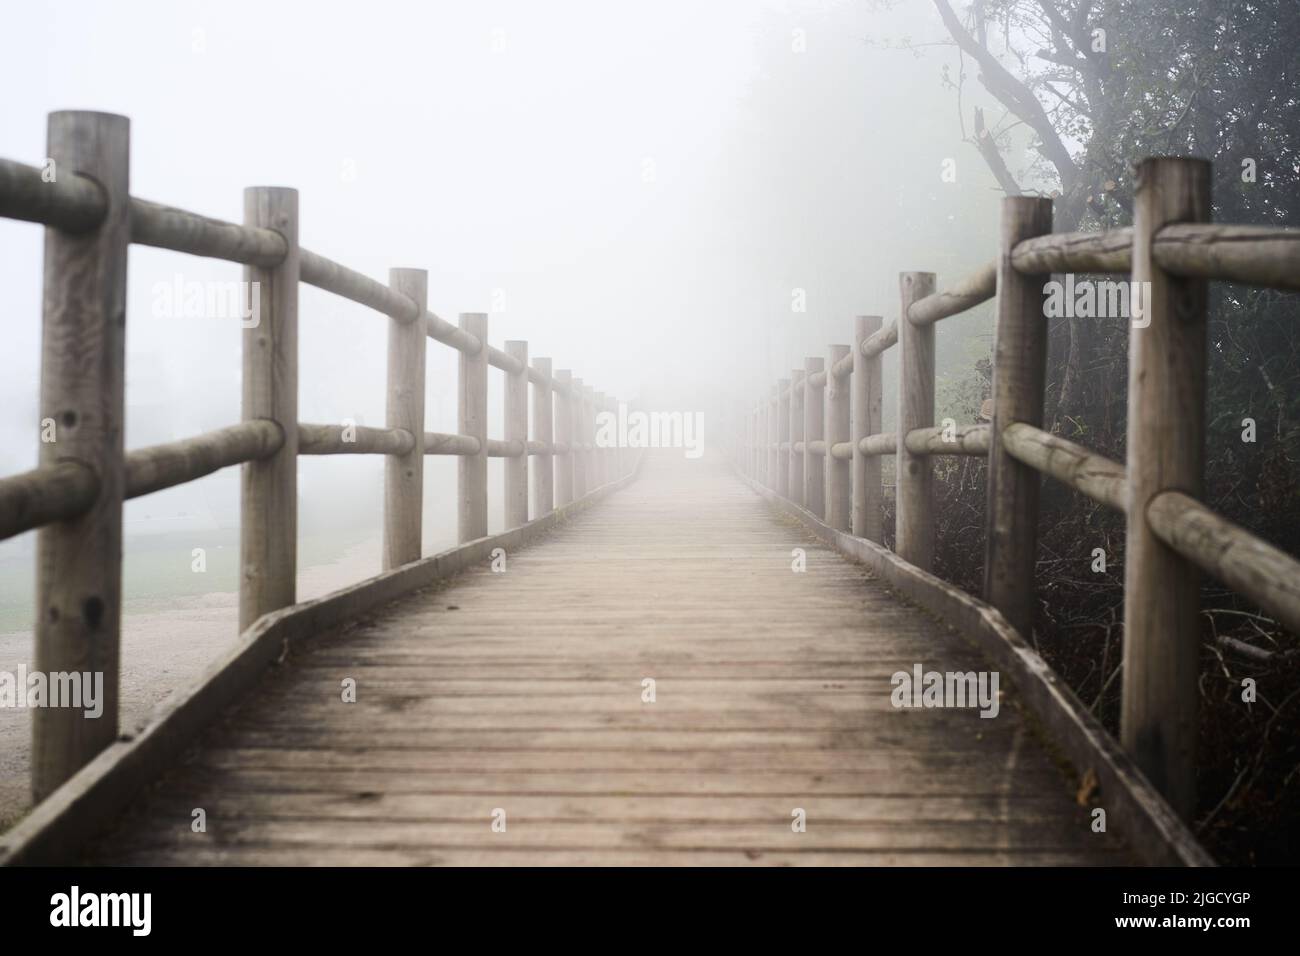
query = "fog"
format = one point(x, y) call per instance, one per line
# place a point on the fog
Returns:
point(643, 192)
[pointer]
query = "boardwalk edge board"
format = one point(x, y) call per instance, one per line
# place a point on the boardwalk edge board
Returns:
point(1154, 832)
point(56, 829)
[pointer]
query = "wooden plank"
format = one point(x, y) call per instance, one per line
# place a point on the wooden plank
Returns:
point(461, 711)
point(291, 855)
point(60, 826)
point(1147, 821)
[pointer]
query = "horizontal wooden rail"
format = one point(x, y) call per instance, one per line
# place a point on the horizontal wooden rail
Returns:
point(69, 202)
point(966, 440)
point(842, 368)
point(968, 292)
point(156, 467)
point(1266, 256)
point(438, 443)
point(67, 489)
point(1268, 576)
point(881, 443)
point(353, 440)
point(164, 227)
point(1109, 251)
point(357, 287)
point(44, 495)
point(75, 204)
point(1258, 255)
point(1094, 475)
point(842, 451)
point(880, 342)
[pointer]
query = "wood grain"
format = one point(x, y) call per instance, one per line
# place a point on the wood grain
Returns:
point(524, 691)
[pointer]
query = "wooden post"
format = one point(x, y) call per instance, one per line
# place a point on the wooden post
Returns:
point(773, 438)
point(600, 406)
point(404, 474)
point(268, 520)
point(796, 436)
point(814, 466)
point(516, 430)
point(1166, 440)
point(580, 486)
point(83, 354)
point(783, 437)
point(914, 502)
point(591, 479)
point(866, 420)
point(544, 432)
point(565, 435)
point(471, 470)
point(838, 470)
point(1019, 375)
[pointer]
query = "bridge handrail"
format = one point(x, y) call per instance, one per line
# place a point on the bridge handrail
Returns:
point(75, 494)
point(787, 435)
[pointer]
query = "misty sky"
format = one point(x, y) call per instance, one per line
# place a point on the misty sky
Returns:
point(634, 188)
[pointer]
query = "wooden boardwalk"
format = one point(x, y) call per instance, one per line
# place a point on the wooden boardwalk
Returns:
point(523, 692)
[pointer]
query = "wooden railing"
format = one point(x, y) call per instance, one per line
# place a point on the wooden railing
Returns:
point(816, 438)
point(75, 494)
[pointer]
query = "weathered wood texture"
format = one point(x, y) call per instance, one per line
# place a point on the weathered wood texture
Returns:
point(543, 483)
point(404, 473)
point(914, 522)
point(836, 431)
point(524, 691)
point(516, 430)
point(814, 421)
point(472, 408)
point(82, 406)
point(268, 511)
point(868, 494)
point(796, 436)
point(565, 431)
point(966, 293)
point(1166, 452)
point(1019, 379)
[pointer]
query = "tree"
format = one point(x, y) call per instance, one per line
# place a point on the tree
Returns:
point(1101, 83)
